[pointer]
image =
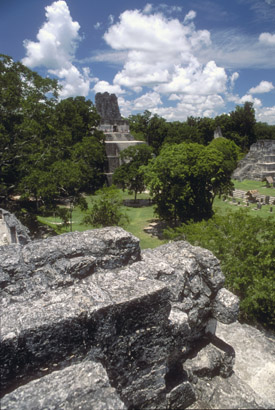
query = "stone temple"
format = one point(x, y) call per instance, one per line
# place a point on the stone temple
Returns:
point(116, 130)
point(259, 163)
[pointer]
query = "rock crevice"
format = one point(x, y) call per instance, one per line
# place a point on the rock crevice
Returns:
point(90, 321)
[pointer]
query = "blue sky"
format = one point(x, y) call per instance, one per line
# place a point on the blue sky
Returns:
point(176, 58)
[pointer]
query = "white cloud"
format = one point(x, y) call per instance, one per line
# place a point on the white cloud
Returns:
point(161, 55)
point(111, 19)
point(104, 86)
point(55, 48)
point(196, 79)
point(192, 105)
point(248, 97)
point(263, 87)
point(267, 38)
point(97, 25)
point(147, 101)
point(202, 106)
point(232, 49)
point(234, 77)
point(148, 8)
point(190, 16)
point(266, 114)
point(57, 39)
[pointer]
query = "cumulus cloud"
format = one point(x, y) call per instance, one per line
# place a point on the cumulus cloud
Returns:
point(248, 97)
point(147, 101)
point(148, 8)
point(161, 54)
point(103, 86)
point(55, 48)
point(190, 16)
point(263, 87)
point(267, 38)
point(266, 114)
point(234, 77)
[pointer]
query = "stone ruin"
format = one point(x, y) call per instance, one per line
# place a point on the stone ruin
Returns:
point(259, 163)
point(11, 229)
point(89, 321)
point(116, 130)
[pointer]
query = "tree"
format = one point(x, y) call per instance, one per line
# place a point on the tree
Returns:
point(221, 183)
point(264, 131)
point(129, 175)
point(138, 124)
point(49, 149)
point(245, 246)
point(243, 123)
point(27, 102)
point(150, 128)
point(106, 209)
point(181, 180)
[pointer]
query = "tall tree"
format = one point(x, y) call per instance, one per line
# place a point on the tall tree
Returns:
point(184, 179)
point(243, 119)
point(26, 104)
point(129, 175)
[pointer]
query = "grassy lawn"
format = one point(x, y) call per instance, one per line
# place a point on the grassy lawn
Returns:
point(221, 206)
point(139, 218)
point(247, 185)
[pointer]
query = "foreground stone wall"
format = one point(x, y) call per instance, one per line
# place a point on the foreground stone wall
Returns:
point(89, 321)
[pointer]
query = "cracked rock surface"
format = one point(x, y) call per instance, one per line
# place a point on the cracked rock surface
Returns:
point(90, 321)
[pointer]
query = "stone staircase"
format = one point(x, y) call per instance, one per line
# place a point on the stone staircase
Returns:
point(258, 163)
point(115, 143)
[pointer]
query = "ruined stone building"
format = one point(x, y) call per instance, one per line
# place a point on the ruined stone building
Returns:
point(259, 163)
point(116, 130)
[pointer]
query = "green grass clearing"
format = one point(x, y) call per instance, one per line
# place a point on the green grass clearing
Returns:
point(247, 185)
point(139, 218)
point(220, 207)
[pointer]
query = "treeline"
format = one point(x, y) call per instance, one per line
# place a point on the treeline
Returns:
point(49, 148)
point(240, 126)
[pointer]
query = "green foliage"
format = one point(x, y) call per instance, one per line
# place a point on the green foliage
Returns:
point(239, 126)
point(49, 149)
point(26, 104)
point(107, 209)
point(129, 175)
point(264, 131)
point(245, 246)
point(184, 179)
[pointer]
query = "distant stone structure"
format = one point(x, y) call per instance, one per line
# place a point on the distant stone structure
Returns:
point(218, 133)
point(259, 163)
point(116, 130)
point(11, 229)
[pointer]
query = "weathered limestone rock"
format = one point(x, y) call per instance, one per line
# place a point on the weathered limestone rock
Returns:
point(210, 361)
point(231, 393)
point(83, 386)
point(226, 306)
point(60, 261)
point(80, 301)
point(255, 357)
